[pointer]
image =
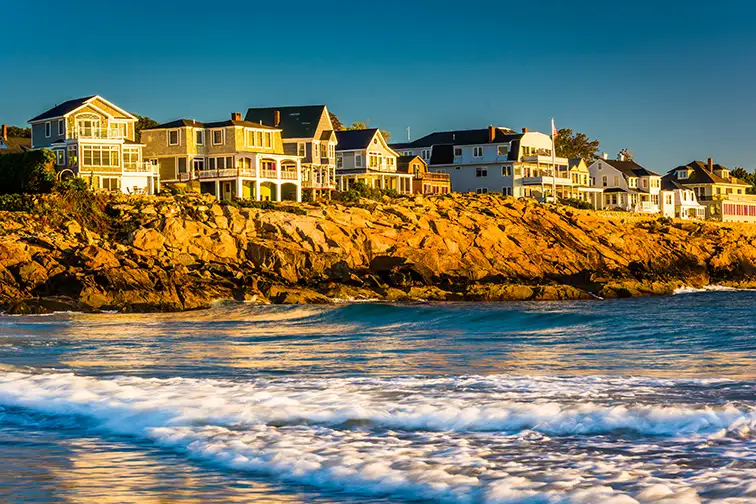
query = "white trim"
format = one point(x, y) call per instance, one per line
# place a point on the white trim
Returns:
point(178, 137)
point(196, 131)
point(85, 104)
point(63, 123)
point(48, 129)
point(223, 135)
point(98, 97)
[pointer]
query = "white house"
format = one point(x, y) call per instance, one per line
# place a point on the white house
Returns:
point(626, 185)
point(364, 156)
point(678, 201)
point(497, 160)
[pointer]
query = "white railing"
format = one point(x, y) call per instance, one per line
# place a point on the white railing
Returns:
point(184, 177)
point(271, 174)
point(313, 184)
point(95, 132)
point(141, 167)
point(647, 206)
point(289, 175)
point(226, 173)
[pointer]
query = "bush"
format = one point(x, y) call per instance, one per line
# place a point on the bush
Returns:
point(360, 190)
point(16, 202)
point(30, 172)
point(578, 203)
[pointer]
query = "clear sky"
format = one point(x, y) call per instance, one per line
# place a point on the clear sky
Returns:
point(671, 80)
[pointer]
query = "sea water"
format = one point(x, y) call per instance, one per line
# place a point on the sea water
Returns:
point(642, 400)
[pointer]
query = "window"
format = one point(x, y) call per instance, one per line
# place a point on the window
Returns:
point(481, 172)
point(331, 150)
point(301, 149)
point(315, 150)
point(506, 171)
point(268, 139)
point(477, 152)
point(604, 181)
point(502, 150)
point(199, 136)
point(181, 165)
point(645, 183)
point(173, 137)
point(111, 183)
point(339, 161)
point(100, 155)
point(616, 180)
point(120, 127)
point(60, 157)
point(217, 137)
point(48, 129)
point(358, 160)
point(389, 162)
point(61, 127)
point(250, 138)
point(682, 174)
point(668, 198)
point(481, 190)
point(426, 154)
point(457, 151)
point(457, 167)
point(506, 191)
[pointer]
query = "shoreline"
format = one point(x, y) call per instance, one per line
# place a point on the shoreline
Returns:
point(183, 252)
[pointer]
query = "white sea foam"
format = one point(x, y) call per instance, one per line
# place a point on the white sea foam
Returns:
point(708, 288)
point(467, 439)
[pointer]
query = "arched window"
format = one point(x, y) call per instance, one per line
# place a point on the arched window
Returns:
point(87, 125)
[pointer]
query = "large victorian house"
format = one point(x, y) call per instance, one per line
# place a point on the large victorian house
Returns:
point(364, 156)
point(626, 186)
point(230, 159)
point(307, 133)
point(94, 139)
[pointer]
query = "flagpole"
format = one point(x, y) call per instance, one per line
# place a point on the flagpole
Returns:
point(553, 160)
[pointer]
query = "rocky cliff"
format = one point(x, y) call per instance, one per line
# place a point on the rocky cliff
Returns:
point(184, 252)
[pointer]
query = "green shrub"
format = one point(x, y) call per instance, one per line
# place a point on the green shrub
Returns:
point(359, 190)
point(30, 172)
point(16, 202)
point(578, 203)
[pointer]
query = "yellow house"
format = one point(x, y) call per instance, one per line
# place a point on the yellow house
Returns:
point(95, 139)
point(230, 159)
point(423, 181)
point(582, 187)
point(364, 156)
point(725, 197)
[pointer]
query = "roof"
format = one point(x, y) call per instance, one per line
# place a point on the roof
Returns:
point(354, 139)
point(630, 168)
point(574, 162)
point(180, 123)
point(63, 109)
point(403, 163)
point(461, 137)
point(14, 144)
point(620, 190)
point(442, 154)
point(296, 122)
point(701, 175)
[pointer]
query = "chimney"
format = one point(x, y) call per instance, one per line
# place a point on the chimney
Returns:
point(524, 130)
point(5, 132)
point(605, 156)
point(491, 134)
point(276, 118)
point(710, 164)
point(236, 116)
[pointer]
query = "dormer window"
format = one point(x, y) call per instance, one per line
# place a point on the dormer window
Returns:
point(457, 151)
point(682, 174)
point(502, 150)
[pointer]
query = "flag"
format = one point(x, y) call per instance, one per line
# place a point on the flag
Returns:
point(553, 129)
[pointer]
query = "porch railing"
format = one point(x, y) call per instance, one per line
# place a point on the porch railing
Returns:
point(96, 132)
point(140, 167)
point(289, 175)
point(272, 174)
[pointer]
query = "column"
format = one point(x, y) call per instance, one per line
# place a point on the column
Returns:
point(278, 191)
point(257, 190)
point(217, 190)
point(239, 188)
point(299, 192)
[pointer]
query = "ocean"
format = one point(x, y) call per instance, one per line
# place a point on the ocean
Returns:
point(616, 401)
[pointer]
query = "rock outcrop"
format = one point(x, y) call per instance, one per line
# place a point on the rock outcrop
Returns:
point(184, 252)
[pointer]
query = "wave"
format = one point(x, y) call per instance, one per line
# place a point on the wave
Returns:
point(709, 288)
point(404, 437)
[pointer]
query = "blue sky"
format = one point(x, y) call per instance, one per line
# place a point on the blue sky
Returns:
point(671, 80)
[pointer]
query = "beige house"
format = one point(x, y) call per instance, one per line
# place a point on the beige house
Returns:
point(364, 156)
point(230, 159)
point(423, 181)
point(94, 139)
point(308, 134)
point(582, 186)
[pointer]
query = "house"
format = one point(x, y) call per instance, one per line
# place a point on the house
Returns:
point(9, 144)
point(679, 202)
point(626, 185)
point(308, 134)
point(725, 197)
point(424, 181)
point(94, 139)
point(230, 159)
point(364, 156)
point(582, 187)
point(494, 159)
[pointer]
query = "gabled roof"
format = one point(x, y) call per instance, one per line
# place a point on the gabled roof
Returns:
point(180, 123)
point(442, 154)
point(700, 174)
point(575, 162)
point(14, 144)
point(296, 122)
point(630, 168)
point(63, 109)
point(403, 163)
point(355, 139)
point(461, 137)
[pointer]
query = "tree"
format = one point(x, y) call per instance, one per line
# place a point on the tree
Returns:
point(143, 122)
point(337, 126)
point(749, 178)
point(626, 155)
point(576, 145)
point(18, 132)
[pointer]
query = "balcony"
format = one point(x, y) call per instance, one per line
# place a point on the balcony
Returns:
point(433, 177)
point(140, 167)
point(546, 180)
point(544, 159)
point(315, 184)
point(226, 173)
point(289, 175)
point(648, 207)
point(85, 132)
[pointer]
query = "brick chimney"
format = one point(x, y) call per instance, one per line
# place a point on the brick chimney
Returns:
point(710, 164)
point(524, 130)
point(5, 132)
point(276, 118)
point(236, 116)
point(491, 134)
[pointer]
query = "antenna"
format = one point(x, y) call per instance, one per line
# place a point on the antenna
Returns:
point(408, 134)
